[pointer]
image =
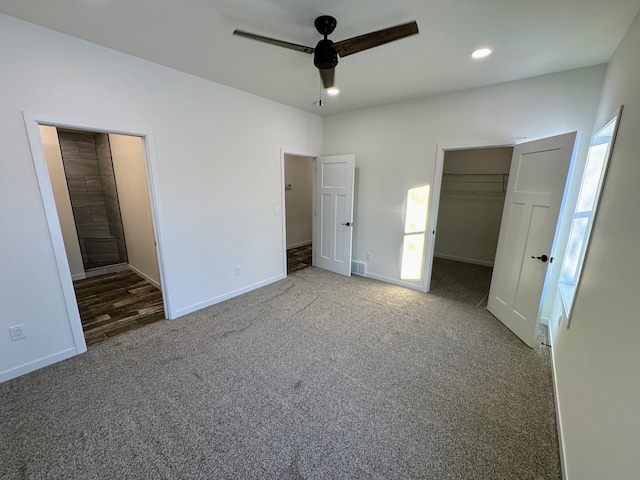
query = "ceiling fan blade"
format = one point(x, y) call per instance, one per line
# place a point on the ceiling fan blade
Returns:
point(374, 39)
point(273, 41)
point(327, 75)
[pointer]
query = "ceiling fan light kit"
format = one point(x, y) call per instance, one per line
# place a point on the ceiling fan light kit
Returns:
point(326, 52)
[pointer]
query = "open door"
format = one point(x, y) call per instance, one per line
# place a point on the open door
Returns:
point(536, 186)
point(333, 213)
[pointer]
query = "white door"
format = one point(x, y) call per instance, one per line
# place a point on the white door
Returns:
point(333, 213)
point(534, 194)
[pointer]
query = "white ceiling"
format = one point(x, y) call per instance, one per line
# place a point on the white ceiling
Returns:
point(529, 38)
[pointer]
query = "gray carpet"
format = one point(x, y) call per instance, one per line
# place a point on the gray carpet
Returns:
point(315, 377)
point(462, 282)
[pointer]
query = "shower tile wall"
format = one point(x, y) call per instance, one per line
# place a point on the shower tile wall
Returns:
point(87, 163)
point(108, 181)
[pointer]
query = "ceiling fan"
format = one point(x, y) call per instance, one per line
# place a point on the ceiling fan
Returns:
point(325, 54)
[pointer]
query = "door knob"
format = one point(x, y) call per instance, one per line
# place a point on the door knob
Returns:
point(348, 224)
point(542, 258)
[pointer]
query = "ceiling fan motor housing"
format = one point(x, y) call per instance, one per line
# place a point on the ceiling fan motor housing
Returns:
point(325, 55)
point(325, 24)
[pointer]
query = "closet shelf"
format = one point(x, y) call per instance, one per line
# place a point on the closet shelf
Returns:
point(474, 183)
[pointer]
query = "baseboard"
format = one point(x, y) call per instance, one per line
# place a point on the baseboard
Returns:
point(394, 281)
point(456, 258)
point(299, 244)
point(544, 321)
point(221, 298)
point(37, 364)
point(146, 277)
point(78, 276)
point(563, 466)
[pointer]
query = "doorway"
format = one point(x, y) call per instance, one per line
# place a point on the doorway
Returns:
point(330, 184)
point(471, 202)
point(101, 204)
point(298, 202)
point(534, 196)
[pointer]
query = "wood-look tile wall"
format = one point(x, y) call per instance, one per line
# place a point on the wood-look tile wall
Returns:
point(112, 206)
point(94, 200)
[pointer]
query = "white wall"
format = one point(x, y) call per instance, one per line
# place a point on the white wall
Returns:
point(396, 145)
point(217, 158)
point(471, 203)
point(298, 171)
point(597, 359)
point(127, 153)
point(53, 156)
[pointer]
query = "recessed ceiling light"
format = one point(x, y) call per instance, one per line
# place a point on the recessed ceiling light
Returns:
point(333, 91)
point(481, 53)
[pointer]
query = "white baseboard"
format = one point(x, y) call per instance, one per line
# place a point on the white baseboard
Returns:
point(394, 281)
point(146, 277)
point(475, 261)
point(299, 244)
point(554, 377)
point(37, 364)
point(221, 298)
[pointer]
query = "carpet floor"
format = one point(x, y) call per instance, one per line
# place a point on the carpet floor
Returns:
point(461, 282)
point(316, 376)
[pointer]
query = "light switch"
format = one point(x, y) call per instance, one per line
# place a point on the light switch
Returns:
point(277, 211)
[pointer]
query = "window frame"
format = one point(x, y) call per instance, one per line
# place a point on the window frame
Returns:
point(568, 290)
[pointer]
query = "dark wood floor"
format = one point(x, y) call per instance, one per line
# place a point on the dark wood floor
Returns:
point(116, 303)
point(299, 258)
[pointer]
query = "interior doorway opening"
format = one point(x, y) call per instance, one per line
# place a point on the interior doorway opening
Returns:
point(470, 207)
point(298, 201)
point(100, 188)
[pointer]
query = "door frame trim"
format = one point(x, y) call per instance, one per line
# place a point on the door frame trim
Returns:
point(32, 122)
point(434, 201)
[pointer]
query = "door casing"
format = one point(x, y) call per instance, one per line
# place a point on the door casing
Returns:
point(32, 123)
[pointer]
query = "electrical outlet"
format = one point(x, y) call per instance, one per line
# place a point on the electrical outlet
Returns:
point(277, 211)
point(369, 256)
point(17, 332)
point(238, 272)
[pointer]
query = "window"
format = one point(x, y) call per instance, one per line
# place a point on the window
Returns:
point(584, 215)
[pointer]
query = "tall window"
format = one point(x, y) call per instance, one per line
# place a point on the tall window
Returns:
point(584, 215)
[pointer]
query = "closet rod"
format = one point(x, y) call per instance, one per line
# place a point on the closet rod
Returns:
point(474, 174)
